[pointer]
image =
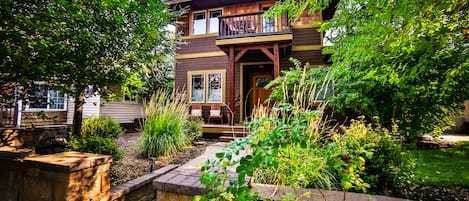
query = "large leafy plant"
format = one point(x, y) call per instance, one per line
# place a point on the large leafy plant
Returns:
point(405, 61)
point(291, 144)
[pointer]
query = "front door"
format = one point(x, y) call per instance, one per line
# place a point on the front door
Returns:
point(259, 93)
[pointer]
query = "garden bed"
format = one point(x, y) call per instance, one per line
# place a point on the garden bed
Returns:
point(134, 165)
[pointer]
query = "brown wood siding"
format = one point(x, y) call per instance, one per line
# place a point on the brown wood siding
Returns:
point(307, 36)
point(209, 63)
point(314, 57)
point(198, 45)
point(183, 25)
point(241, 8)
point(29, 119)
point(307, 18)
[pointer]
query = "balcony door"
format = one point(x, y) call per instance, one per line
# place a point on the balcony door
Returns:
point(268, 23)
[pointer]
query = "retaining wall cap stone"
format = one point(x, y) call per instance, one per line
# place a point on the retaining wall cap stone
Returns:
point(67, 161)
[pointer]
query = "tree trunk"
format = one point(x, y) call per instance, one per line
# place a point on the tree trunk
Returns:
point(78, 113)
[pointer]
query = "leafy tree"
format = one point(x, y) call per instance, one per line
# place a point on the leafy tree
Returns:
point(405, 61)
point(77, 44)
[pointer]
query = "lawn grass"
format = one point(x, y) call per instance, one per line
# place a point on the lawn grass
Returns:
point(444, 167)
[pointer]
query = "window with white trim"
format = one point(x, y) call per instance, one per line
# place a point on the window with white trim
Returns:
point(213, 21)
point(46, 98)
point(206, 21)
point(206, 87)
point(199, 23)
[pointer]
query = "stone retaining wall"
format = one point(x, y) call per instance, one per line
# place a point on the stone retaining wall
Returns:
point(65, 176)
point(139, 189)
point(43, 138)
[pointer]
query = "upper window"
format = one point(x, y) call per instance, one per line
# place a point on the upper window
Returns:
point(206, 87)
point(213, 25)
point(201, 24)
point(46, 98)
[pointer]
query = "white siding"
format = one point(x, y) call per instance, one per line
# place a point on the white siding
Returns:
point(123, 112)
point(70, 110)
point(91, 106)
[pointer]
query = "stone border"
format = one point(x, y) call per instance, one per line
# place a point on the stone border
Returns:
point(273, 192)
point(124, 189)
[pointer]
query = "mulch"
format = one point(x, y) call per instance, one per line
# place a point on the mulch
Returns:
point(134, 164)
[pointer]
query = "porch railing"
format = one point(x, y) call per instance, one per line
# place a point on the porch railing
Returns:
point(251, 24)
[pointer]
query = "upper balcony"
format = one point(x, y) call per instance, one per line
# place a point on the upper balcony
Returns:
point(252, 28)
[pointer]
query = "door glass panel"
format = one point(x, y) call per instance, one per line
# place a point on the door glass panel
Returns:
point(262, 81)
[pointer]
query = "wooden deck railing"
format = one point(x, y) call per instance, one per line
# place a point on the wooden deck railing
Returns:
point(251, 24)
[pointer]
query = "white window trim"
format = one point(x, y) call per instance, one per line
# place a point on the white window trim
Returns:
point(28, 109)
point(207, 21)
point(205, 74)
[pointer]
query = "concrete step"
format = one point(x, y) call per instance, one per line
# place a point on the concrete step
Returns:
point(226, 138)
point(234, 133)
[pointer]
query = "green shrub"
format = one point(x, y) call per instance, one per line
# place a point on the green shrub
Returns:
point(101, 126)
point(98, 145)
point(168, 127)
point(193, 127)
point(98, 136)
point(163, 135)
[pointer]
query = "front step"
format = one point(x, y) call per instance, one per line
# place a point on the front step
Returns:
point(228, 136)
point(235, 133)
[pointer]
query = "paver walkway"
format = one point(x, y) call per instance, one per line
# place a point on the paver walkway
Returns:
point(185, 179)
point(456, 137)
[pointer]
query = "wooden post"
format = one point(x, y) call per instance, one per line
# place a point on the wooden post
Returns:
point(232, 81)
point(276, 61)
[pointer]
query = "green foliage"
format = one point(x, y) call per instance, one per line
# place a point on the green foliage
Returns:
point(316, 80)
point(78, 44)
point(168, 127)
point(193, 127)
point(98, 136)
point(291, 144)
point(101, 126)
point(409, 70)
point(443, 167)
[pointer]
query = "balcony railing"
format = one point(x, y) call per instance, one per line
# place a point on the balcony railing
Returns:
point(251, 24)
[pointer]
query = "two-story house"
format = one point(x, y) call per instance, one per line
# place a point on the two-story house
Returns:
point(232, 51)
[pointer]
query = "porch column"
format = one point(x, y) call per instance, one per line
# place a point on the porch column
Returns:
point(276, 61)
point(232, 82)
point(19, 107)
